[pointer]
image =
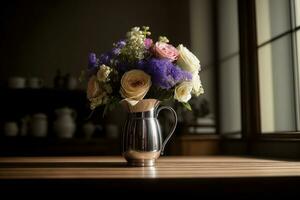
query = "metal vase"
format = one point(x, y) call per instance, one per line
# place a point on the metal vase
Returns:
point(142, 139)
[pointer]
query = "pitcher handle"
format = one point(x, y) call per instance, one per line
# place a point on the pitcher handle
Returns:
point(172, 129)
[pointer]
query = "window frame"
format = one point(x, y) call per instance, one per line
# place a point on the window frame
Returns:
point(253, 141)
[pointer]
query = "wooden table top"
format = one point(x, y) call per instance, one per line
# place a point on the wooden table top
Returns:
point(12, 168)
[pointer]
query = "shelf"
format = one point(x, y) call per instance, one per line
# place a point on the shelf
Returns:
point(19, 146)
point(16, 103)
point(41, 92)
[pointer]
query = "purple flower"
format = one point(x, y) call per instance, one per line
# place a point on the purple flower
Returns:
point(116, 51)
point(105, 58)
point(163, 72)
point(123, 66)
point(148, 43)
point(93, 61)
point(120, 44)
point(117, 47)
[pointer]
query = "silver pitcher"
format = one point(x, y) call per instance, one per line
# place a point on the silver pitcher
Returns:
point(142, 139)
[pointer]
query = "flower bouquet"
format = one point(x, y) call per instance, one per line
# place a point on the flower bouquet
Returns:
point(141, 73)
point(138, 68)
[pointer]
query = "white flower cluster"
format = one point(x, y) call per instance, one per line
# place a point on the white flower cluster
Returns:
point(163, 39)
point(189, 62)
point(103, 73)
point(135, 47)
point(98, 87)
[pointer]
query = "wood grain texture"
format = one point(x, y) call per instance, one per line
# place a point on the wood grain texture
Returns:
point(93, 168)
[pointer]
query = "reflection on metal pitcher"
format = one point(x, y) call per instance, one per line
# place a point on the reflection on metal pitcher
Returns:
point(142, 138)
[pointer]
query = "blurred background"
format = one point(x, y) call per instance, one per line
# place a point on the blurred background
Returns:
point(44, 46)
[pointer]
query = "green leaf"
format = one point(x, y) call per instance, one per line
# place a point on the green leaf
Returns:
point(110, 105)
point(187, 106)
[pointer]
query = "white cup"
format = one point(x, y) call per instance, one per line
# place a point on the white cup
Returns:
point(16, 82)
point(11, 129)
point(35, 83)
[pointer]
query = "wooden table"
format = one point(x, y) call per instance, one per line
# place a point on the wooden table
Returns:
point(200, 175)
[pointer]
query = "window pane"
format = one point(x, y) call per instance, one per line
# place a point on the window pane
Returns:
point(228, 28)
point(273, 18)
point(276, 80)
point(230, 104)
point(297, 12)
point(297, 79)
point(229, 68)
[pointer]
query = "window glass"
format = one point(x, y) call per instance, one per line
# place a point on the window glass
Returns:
point(297, 78)
point(230, 95)
point(228, 28)
point(276, 81)
point(229, 68)
point(297, 12)
point(272, 18)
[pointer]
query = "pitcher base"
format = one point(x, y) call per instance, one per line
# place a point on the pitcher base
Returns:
point(141, 163)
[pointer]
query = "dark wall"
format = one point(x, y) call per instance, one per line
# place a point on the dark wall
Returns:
point(39, 37)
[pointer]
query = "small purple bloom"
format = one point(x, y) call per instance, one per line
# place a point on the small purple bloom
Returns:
point(148, 43)
point(117, 47)
point(120, 44)
point(116, 51)
point(93, 61)
point(105, 58)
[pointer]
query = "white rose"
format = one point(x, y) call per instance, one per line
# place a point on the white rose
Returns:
point(183, 91)
point(135, 84)
point(187, 60)
point(103, 73)
point(197, 86)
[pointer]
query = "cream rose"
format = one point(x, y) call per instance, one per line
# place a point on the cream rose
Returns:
point(135, 84)
point(197, 85)
point(183, 91)
point(187, 60)
point(103, 73)
point(93, 88)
